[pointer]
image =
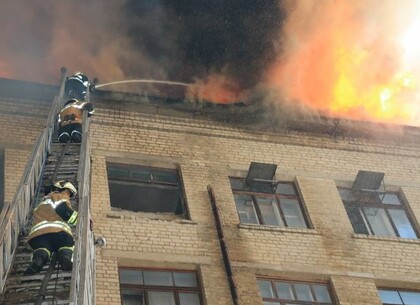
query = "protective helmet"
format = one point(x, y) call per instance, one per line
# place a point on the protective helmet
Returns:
point(71, 102)
point(66, 185)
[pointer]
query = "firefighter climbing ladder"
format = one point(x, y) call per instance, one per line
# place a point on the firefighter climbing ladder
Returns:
point(49, 160)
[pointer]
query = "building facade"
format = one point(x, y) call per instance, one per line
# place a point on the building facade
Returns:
point(292, 237)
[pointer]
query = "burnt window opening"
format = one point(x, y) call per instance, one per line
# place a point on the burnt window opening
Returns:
point(276, 205)
point(145, 189)
point(382, 214)
point(284, 292)
point(150, 287)
point(2, 170)
point(403, 297)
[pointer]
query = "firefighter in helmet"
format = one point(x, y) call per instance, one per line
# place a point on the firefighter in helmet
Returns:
point(70, 120)
point(51, 227)
point(77, 85)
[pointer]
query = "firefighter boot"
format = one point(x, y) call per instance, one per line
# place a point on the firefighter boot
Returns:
point(65, 258)
point(76, 136)
point(39, 259)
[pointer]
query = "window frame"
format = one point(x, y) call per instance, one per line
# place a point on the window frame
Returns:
point(277, 197)
point(130, 181)
point(398, 291)
point(360, 205)
point(176, 290)
point(292, 283)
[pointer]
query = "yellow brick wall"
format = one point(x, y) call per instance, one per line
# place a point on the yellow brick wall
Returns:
point(207, 153)
point(21, 122)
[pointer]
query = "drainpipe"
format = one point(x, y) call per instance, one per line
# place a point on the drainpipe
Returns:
point(223, 246)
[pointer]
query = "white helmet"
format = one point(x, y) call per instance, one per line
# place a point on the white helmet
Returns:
point(66, 185)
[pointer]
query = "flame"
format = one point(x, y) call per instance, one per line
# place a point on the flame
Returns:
point(216, 88)
point(350, 59)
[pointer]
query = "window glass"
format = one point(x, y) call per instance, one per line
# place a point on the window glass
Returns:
point(133, 188)
point(269, 211)
point(118, 172)
point(292, 213)
point(410, 298)
point(285, 189)
point(132, 297)
point(141, 174)
point(246, 209)
point(303, 292)
point(284, 291)
point(189, 299)
point(165, 176)
point(390, 297)
point(266, 289)
point(391, 198)
point(158, 278)
point(345, 194)
point(131, 276)
point(402, 223)
point(357, 219)
point(184, 279)
point(379, 222)
point(161, 298)
point(237, 184)
point(321, 293)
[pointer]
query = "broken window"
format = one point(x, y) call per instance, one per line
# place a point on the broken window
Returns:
point(288, 292)
point(155, 287)
point(145, 189)
point(384, 216)
point(389, 297)
point(272, 203)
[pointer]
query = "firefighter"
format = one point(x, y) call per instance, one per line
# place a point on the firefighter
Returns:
point(77, 85)
point(70, 120)
point(51, 228)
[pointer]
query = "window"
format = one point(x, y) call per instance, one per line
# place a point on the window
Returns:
point(275, 292)
point(389, 297)
point(157, 287)
point(275, 204)
point(380, 213)
point(145, 189)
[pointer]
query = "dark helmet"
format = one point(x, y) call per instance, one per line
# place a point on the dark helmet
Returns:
point(62, 185)
point(72, 101)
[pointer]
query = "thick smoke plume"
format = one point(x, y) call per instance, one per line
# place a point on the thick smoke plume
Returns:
point(191, 41)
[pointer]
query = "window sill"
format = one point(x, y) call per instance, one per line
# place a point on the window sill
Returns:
point(278, 229)
point(385, 238)
point(123, 214)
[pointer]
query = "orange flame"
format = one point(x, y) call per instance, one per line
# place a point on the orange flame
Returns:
point(216, 88)
point(352, 59)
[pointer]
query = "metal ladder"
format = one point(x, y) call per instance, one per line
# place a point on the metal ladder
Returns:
point(49, 161)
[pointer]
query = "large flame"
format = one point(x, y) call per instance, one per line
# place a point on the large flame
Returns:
point(354, 59)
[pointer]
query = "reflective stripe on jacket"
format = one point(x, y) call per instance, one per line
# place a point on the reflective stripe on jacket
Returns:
point(45, 227)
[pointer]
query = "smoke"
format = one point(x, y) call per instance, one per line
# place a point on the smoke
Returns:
point(164, 40)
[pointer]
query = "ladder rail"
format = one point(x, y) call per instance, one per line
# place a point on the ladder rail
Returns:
point(82, 289)
point(14, 215)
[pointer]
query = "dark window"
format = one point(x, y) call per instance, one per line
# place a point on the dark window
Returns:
point(157, 287)
point(1, 178)
point(381, 213)
point(145, 189)
point(389, 297)
point(275, 204)
point(288, 293)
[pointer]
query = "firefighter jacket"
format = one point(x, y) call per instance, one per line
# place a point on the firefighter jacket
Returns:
point(73, 113)
point(53, 214)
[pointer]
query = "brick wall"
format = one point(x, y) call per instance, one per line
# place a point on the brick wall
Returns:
point(207, 153)
point(21, 122)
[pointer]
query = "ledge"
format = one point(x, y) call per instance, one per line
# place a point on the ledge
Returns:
point(388, 239)
point(278, 229)
point(150, 216)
